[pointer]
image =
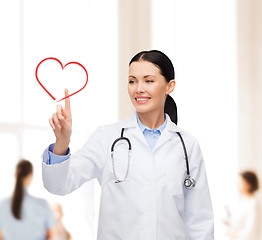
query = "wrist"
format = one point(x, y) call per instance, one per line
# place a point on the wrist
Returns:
point(61, 147)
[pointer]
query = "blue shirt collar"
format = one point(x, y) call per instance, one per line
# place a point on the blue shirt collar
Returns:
point(143, 127)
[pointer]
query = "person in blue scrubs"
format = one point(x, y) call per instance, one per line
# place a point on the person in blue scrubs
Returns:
point(22, 216)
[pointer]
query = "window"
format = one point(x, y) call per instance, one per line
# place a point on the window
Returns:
point(82, 31)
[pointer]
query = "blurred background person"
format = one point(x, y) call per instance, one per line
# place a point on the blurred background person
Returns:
point(243, 221)
point(60, 232)
point(22, 216)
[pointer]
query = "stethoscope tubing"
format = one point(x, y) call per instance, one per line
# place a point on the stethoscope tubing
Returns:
point(119, 139)
point(185, 153)
point(189, 182)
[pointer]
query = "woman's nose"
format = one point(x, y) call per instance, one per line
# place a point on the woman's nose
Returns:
point(140, 88)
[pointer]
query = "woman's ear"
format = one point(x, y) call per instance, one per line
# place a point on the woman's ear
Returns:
point(171, 86)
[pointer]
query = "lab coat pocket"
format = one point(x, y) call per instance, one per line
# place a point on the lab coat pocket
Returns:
point(176, 192)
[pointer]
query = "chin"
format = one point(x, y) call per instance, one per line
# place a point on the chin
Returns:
point(141, 109)
point(144, 111)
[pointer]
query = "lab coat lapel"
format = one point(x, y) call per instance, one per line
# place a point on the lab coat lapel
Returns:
point(167, 134)
point(137, 133)
point(133, 129)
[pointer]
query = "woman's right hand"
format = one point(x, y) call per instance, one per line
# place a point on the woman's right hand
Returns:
point(61, 123)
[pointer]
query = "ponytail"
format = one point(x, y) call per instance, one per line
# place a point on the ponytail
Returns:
point(23, 169)
point(171, 109)
point(17, 198)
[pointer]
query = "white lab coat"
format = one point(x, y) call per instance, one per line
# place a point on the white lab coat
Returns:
point(152, 204)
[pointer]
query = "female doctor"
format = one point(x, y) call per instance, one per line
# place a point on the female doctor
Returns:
point(147, 192)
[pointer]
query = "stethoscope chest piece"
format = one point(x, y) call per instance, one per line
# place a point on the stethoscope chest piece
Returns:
point(189, 182)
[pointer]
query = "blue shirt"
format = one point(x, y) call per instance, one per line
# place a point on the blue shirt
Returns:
point(151, 136)
point(37, 217)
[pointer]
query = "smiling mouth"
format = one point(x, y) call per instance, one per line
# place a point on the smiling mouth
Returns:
point(142, 100)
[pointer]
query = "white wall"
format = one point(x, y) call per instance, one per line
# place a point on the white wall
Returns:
point(250, 85)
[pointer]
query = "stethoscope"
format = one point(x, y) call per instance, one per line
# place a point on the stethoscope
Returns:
point(189, 182)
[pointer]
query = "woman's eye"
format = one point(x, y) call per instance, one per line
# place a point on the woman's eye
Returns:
point(149, 81)
point(131, 81)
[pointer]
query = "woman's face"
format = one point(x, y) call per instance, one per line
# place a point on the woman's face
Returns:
point(243, 186)
point(147, 88)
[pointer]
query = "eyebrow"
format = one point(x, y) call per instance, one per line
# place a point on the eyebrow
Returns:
point(144, 76)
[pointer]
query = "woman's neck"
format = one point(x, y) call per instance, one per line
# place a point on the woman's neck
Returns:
point(247, 195)
point(152, 120)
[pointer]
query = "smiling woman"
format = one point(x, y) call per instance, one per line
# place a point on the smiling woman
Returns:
point(151, 199)
point(151, 80)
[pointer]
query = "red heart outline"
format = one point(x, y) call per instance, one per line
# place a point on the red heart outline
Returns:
point(52, 58)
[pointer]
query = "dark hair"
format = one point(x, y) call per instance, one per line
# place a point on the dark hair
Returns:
point(252, 180)
point(23, 169)
point(166, 69)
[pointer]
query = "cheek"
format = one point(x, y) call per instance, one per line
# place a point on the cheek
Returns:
point(247, 187)
point(240, 185)
point(243, 186)
point(160, 93)
point(130, 90)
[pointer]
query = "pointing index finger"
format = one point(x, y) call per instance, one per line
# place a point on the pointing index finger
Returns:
point(67, 100)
